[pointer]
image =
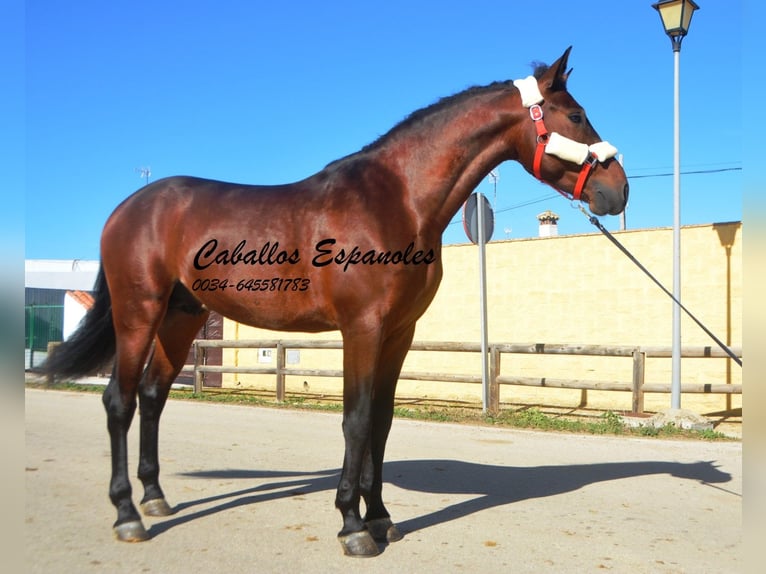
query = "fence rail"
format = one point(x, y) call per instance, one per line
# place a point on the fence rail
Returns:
point(637, 386)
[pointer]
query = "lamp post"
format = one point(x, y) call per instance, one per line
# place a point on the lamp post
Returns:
point(676, 17)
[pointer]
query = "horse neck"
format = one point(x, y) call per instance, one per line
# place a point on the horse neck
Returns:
point(444, 159)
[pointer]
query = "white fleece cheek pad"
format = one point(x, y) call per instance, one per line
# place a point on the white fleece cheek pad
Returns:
point(530, 92)
point(566, 149)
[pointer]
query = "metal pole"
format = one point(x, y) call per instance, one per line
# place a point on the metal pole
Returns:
point(483, 303)
point(675, 387)
point(622, 215)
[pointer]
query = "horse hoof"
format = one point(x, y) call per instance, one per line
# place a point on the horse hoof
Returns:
point(156, 507)
point(359, 544)
point(131, 532)
point(382, 529)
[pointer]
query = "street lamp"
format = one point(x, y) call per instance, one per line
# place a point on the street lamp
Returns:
point(676, 17)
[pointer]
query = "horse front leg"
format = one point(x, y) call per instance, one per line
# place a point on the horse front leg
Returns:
point(359, 363)
point(377, 518)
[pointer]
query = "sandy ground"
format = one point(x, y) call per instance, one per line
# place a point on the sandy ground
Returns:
point(254, 490)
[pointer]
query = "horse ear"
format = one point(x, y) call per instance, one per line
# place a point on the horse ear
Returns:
point(555, 78)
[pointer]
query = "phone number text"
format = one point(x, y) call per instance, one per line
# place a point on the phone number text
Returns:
point(273, 284)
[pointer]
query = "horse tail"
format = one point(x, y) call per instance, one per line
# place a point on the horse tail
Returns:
point(92, 346)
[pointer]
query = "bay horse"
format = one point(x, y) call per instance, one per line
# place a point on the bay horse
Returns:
point(355, 247)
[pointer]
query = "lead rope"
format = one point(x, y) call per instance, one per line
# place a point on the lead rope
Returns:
point(594, 220)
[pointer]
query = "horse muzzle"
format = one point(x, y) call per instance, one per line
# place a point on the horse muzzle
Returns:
point(604, 199)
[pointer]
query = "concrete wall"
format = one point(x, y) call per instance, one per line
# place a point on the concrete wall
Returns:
point(576, 289)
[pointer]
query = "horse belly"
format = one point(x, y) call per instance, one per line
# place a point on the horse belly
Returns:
point(276, 303)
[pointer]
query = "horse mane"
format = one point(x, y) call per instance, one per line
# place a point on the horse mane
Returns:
point(420, 115)
point(539, 68)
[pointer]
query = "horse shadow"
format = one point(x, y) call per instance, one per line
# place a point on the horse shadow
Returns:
point(491, 485)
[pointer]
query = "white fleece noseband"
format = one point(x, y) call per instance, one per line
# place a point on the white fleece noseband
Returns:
point(576, 152)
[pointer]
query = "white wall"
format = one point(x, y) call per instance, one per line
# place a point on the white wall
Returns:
point(73, 314)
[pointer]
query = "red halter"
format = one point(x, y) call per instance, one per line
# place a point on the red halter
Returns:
point(536, 113)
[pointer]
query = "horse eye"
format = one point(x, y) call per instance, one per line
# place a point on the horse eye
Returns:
point(575, 118)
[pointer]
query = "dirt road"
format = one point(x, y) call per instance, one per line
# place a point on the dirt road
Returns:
point(254, 491)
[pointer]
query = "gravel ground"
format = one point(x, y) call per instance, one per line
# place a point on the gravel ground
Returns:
point(254, 489)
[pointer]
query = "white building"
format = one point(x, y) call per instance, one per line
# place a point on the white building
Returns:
point(56, 299)
point(69, 274)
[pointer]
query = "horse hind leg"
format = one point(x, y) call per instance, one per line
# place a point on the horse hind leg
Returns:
point(184, 317)
point(119, 413)
point(134, 341)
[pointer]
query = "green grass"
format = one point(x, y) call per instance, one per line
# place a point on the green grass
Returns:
point(533, 418)
point(608, 423)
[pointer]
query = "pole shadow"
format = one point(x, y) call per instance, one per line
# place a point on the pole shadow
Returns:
point(492, 485)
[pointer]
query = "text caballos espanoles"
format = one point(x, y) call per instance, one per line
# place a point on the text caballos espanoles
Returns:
point(325, 253)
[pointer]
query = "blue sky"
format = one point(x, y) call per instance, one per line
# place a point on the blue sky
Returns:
point(266, 92)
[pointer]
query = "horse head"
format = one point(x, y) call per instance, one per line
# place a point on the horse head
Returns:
point(564, 150)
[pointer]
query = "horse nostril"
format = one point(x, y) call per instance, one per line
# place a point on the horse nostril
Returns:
point(626, 192)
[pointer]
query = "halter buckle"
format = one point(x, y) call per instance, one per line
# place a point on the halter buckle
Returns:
point(591, 160)
point(536, 112)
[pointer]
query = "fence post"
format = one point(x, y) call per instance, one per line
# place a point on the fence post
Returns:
point(197, 372)
point(494, 387)
point(32, 321)
point(639, 369)
point(280, 372)
point(50, 379)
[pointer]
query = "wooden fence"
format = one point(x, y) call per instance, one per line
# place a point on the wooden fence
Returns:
point(637, 386)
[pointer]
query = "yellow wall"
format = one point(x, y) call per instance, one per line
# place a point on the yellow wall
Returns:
point(577, 289)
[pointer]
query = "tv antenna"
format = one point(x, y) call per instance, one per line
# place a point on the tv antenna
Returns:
point(145, 172)
point(494, 175)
